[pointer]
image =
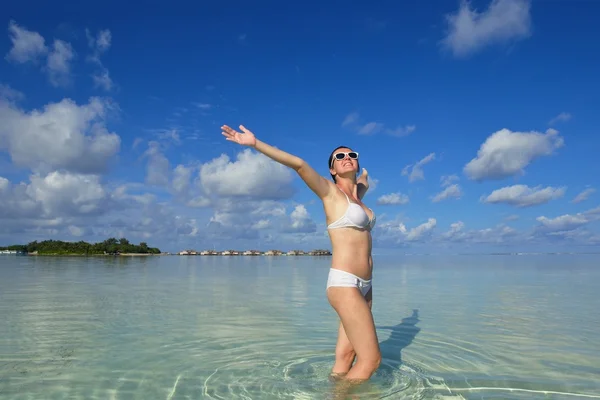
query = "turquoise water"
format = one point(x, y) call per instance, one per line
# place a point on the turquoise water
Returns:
point(472, 327)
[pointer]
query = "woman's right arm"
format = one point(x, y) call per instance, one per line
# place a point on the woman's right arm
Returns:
point(319, 185)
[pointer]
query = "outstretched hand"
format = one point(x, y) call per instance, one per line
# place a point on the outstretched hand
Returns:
point(245, 139)
point(362, 183)
point(364, 176)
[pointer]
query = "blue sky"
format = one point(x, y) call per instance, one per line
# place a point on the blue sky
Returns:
point(474, 121)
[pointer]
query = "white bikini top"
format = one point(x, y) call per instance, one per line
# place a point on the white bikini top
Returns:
point(355, 216)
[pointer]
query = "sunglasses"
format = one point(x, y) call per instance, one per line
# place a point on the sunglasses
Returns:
point(341, 155)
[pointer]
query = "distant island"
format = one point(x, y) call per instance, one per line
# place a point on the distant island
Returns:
point(111, 246)
point(318, 252)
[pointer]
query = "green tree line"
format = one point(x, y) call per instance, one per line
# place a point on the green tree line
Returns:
point(108, 246)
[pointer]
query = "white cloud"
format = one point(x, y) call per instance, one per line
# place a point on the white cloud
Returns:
point(300, 221)
point(370, 128)
point(170, 135)
point(62, 135)
point(523, 195)
point(9, 94)
point(422, 230)
point(252, 175)
point(232, 220)
point(181, 179)
point(447, 180)
point(564, 222)
point(401, 130)
point(199, 202)
point(76, 231)
point(562, 117)
point(157, 169)
point(57, 195)
point(504, 21)
point(68, 194)
point(396, 232)
point(352, 122)
point(393, 199)
point(100, 45)
point(123, 196)
point(351, 119)
point(59, 67)
point(506, 153)
point(373, 182)
point(452, 191)
point(27, 46)
point(4, 184)
point(103, 80)
point(584, 195)
point(499, 234)
point(567, 228)
point(416, 170)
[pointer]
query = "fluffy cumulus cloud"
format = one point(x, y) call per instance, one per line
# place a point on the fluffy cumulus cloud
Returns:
point(30, 47)
point(470, 30)
point(395, 232)
point(244, 199)
point(248, 196)
point(27, 46)
point(58, 194)
point(506, 153)
point(572, 228)
point(267, 218)
point(61, 135)
point(251, 175)
point(301, 221)
point(523, 196)
point(73, 206)
point(393, 199)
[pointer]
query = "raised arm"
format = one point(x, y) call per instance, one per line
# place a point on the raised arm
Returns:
point(319, 185)
point(362, 184)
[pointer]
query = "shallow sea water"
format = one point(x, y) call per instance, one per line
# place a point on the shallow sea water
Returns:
point(173, 327)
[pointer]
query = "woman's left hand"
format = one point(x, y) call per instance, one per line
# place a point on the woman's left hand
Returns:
point(363, 177)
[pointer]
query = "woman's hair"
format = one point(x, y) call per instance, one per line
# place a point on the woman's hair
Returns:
point(329, 166)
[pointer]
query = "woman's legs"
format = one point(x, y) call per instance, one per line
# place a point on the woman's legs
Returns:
point(358, 329)
point(344, 352)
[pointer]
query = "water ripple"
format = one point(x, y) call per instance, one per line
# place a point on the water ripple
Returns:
point(183, 328)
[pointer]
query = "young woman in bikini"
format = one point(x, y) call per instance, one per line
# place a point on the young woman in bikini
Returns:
point(349, 289)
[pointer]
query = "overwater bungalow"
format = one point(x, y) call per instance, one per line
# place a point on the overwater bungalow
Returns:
point(296, 253)
point(273, 253)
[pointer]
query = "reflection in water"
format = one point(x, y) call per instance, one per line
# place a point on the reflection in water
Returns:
point(261, 327)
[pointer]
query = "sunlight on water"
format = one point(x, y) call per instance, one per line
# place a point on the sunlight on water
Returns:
point(261, 328)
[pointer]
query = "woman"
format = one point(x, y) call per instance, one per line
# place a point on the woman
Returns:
point(349, 225)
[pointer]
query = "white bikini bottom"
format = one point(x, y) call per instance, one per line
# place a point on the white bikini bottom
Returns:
point(339, 278)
